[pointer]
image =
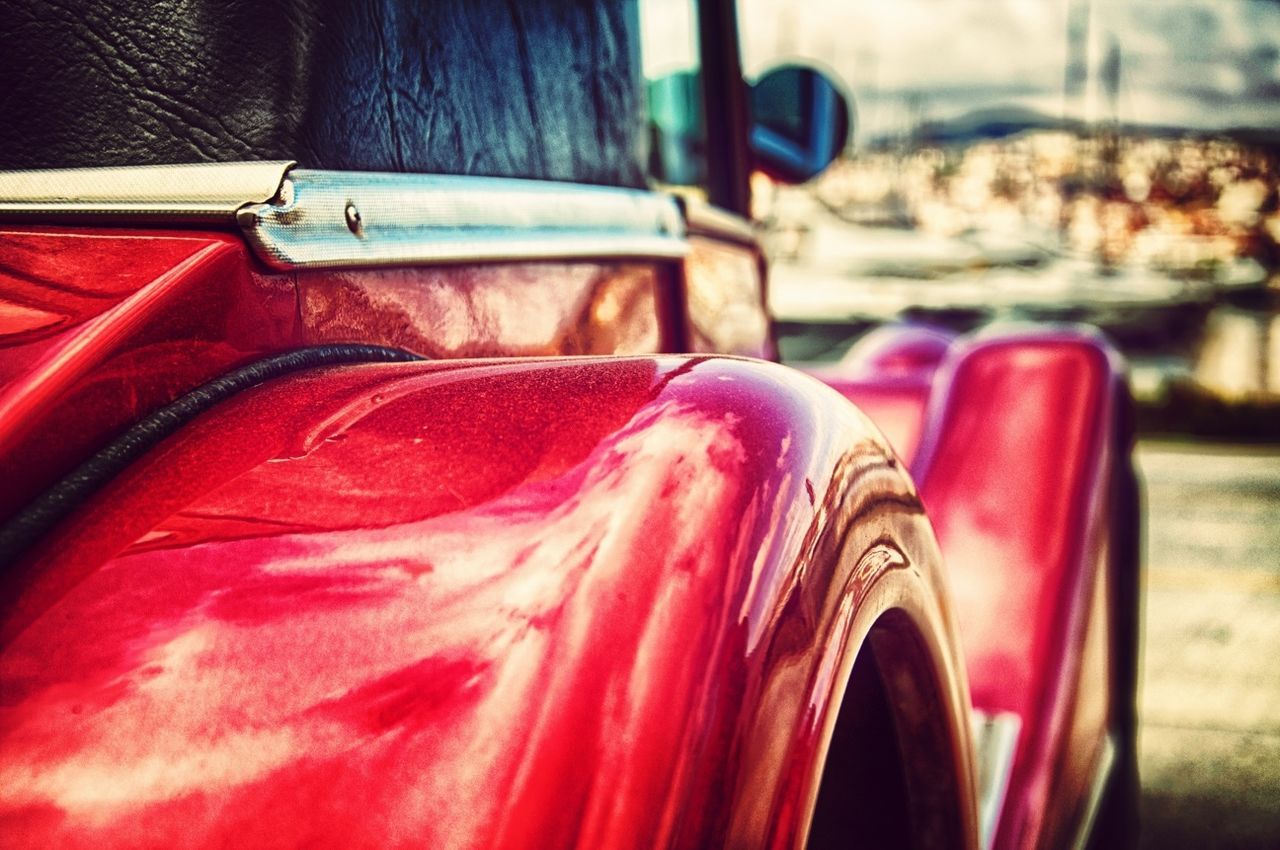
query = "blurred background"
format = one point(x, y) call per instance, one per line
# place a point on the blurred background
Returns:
point(1117, 163)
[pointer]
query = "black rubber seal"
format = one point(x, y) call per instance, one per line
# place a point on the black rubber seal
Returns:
point(28, 525)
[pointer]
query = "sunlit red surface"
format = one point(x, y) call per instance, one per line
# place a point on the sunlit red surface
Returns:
point(536, 602)
point(1011, 439)
point(539, 603)
point(1015, 475)
point(98, 328)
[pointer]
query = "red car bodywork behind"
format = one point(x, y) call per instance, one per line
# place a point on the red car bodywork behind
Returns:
point(528, 602)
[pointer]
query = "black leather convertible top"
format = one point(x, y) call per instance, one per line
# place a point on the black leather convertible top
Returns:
point(518, 88)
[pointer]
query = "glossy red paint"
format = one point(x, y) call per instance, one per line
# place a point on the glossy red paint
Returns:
point(501, 309)
point(896, 405)
point(538, 603)
point(99, 327)
point(1013, 471)
point(1010, 437)
point(898, 350)
point(1082, 753)
point(889, 374)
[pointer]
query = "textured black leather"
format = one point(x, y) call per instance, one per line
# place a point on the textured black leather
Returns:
point(519, 88)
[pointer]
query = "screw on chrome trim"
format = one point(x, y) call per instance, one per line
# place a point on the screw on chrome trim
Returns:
point(354, 223)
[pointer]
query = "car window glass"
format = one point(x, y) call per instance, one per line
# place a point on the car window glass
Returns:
point(672, 72)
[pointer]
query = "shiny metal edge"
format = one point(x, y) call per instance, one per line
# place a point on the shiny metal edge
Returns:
point(197, 192)
point(995, 740)
point(706, 220)
point(1101, 776)
point(336, 219)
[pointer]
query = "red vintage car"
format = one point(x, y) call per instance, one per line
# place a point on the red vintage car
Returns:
point(410, 470)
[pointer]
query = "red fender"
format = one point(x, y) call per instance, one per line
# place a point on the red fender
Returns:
point(889, 374)
point(1014, 438)
point(537, 603)
point(1016, 469)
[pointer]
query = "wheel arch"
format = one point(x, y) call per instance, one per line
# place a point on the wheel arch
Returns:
point(621, 597)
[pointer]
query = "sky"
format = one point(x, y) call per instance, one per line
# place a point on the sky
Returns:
point(1206, 64)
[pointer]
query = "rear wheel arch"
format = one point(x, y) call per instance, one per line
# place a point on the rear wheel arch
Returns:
point(842, 545)
point(895, 769)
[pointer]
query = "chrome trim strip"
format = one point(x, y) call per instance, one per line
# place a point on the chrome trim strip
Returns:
point(1106, 761)
point(197, 193)
point(995, 741)
point(325, 219)
point(707, 220)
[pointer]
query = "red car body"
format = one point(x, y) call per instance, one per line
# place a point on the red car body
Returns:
point(593, 574)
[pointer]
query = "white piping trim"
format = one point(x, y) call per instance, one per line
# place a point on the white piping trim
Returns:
point(196, 193)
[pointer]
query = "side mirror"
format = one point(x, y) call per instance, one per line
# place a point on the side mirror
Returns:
point(800, 123)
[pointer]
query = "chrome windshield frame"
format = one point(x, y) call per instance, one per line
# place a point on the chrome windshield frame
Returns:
point(296, 218)
point(325, 219)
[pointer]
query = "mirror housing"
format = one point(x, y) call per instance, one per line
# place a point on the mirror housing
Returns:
point(800, 122)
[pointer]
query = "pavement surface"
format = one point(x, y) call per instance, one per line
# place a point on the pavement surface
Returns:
point(1209, 701)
